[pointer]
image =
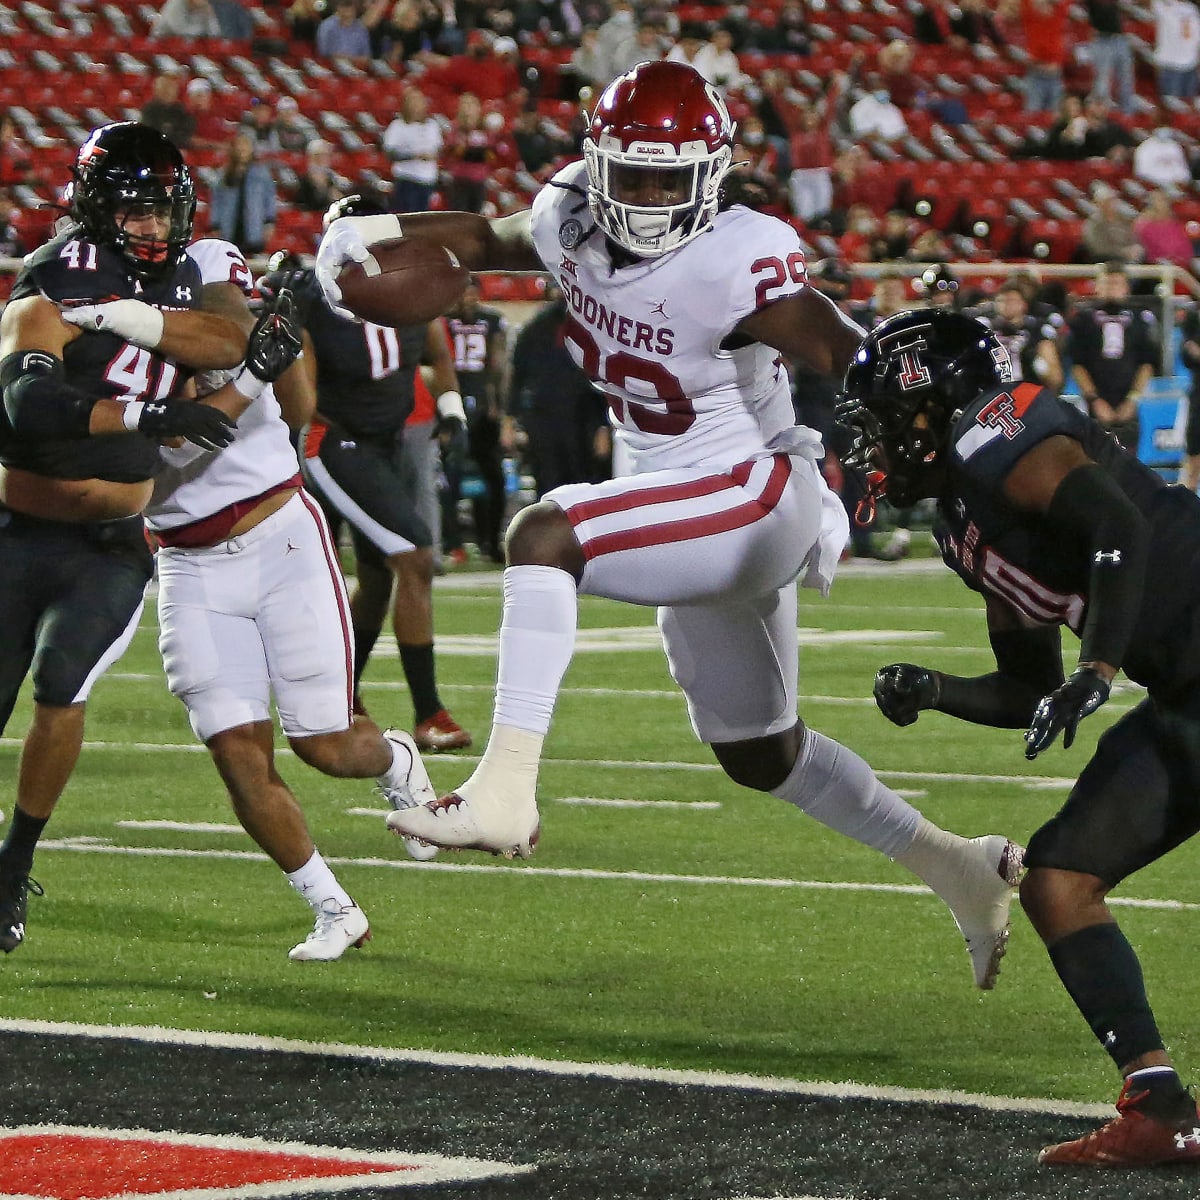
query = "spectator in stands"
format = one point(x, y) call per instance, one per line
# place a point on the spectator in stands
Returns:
point(1066, 140)
point(895, 237)
point(790, 34)
point(757, 162)
point(931, 22)
point(413, 143)
point(646, 45)
point(320, 185)
point(11, 243)
point(488, 70)
point(468, 155)
point(861, 233)
point(292, 130)
point(1176, 47)
point(539, 145)
point(1108, 234)
point(186, 19)
point(930, 246)
point(811, 153)
point(234, 20)
point(1114, 351)
point(690, 42)
point(16, 159)
point(718, 63)
point(1044, 23)
point(1111, 54)
point(1161, 161)
point(411, 29)
point(343, 35)
point(1106, 136)
point(211, 130)
point(243, 200)
point(895, 65)
point(589, 63)
point(259, 123)
point(165, 112)
point(1162, 235)
point(614, 33)
point(971, 23)
point(874, 115)
point(303, 18)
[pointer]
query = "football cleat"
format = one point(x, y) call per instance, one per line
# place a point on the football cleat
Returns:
point(441, 732)
point(14, 899)
point(481, 821)
point(981, 906)
point(1131, 1139)
point(338, 927)
point(407, 788)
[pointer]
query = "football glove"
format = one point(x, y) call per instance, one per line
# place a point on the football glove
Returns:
point(903, 690)
point(275, 342)
point(207, 427)
point(346, 241)
point(1064, 708)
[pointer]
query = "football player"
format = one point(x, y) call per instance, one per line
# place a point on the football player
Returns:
point(679, 313)
point(1047, 516)
point(364, 376)
point(82, 417)
point(252, 606)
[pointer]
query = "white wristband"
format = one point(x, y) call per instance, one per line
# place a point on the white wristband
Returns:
point(450, 407)
point(132, 415)
point(249, 384)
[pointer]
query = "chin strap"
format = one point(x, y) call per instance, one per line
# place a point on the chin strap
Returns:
point(864, 513)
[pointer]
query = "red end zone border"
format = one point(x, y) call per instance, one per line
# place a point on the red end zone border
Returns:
point(66, 1162)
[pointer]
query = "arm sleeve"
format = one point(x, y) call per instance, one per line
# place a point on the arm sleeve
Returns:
point(1091, 507)
point(38, 401)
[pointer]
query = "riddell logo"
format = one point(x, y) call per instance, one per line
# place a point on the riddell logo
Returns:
point(70, 1163)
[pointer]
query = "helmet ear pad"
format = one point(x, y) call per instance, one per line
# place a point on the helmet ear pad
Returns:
point(659, 117)
point(124, 166)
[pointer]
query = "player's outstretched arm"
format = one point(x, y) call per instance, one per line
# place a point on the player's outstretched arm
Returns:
point(810, 327)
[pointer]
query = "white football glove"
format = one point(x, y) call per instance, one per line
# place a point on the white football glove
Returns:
point(133, 320)
point(348, 240)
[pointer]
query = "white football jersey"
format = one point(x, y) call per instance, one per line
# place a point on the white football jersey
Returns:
point(260, 455)
point(649, 334)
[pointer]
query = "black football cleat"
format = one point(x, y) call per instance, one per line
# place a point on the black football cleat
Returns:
point(14, 898)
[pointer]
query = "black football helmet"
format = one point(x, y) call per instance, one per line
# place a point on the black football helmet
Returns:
point(125, 170)
point(908, 381)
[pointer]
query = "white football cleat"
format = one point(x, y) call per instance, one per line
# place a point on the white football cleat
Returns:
point(980, 906)
point(338, 927)
point(481, 820)
point(406, 789)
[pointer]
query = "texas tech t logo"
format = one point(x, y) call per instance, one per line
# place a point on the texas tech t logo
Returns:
point(904, 349)
point(1000, 413)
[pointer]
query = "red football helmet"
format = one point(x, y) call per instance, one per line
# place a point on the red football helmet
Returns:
point(659, 144)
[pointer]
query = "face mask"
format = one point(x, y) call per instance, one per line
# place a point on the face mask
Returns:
point(883, 97)
point(753, 139)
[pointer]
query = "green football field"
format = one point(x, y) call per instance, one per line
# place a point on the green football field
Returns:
point(668, 918)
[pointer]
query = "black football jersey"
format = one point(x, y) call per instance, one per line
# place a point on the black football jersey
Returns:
point(365, 372)
point(1112, 343)
point(470, 339)
point(1021, 340)
point(71, 271)
point(1024, 559)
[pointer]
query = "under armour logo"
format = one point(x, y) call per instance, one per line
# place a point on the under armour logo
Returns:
point(660, 310)
point(183, 293)
point(1112, 557)
point(1182, 1139)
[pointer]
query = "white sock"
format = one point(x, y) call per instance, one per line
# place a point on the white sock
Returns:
point(397, 774)
point(836, 787)
point(316, 882)
point(933, 857)
point(537, 640)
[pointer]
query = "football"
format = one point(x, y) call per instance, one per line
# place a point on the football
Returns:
point(404, 281)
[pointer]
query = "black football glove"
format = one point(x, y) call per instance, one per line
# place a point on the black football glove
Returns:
point(209, 428)
point(275, 342)
point(1064, 708)
point(902, 690)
